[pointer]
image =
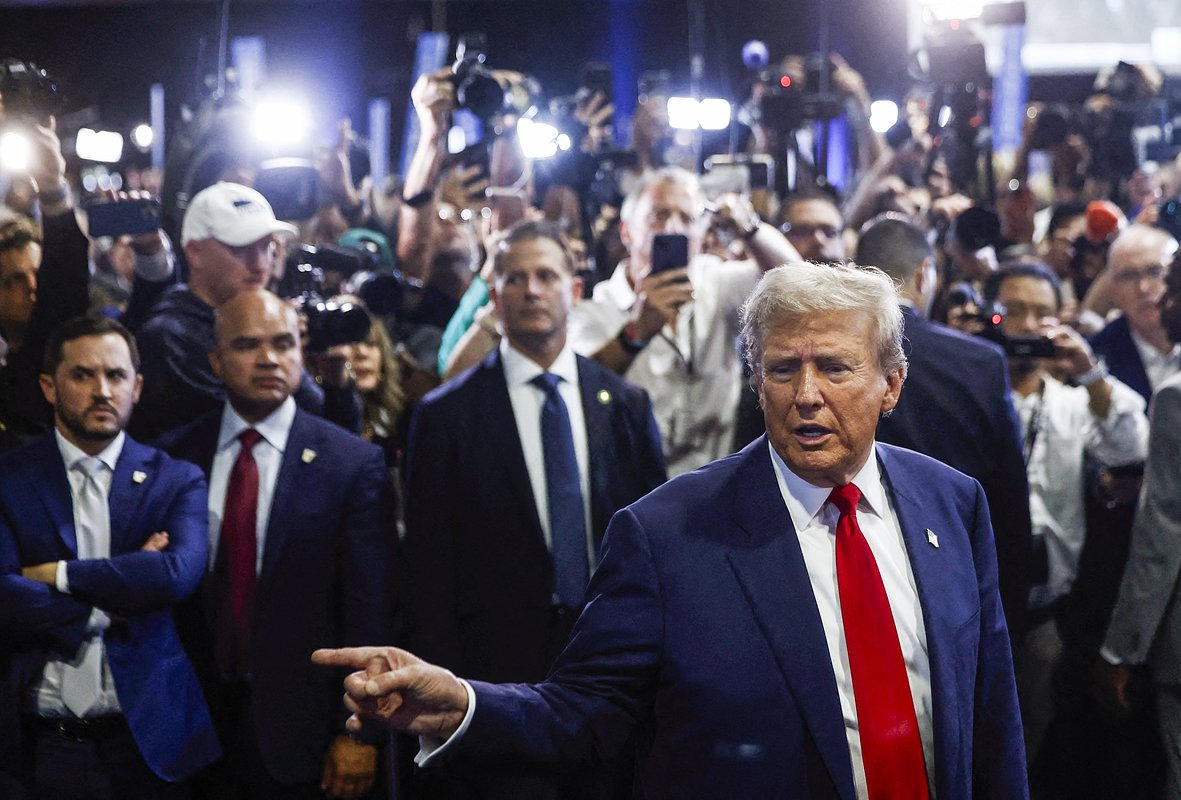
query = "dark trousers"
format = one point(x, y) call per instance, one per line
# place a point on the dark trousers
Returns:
point(240, 774)
point(99, 764)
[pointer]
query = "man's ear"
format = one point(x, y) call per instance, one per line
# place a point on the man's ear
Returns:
point(577, 288)
point(48, 388)
point(215, 362)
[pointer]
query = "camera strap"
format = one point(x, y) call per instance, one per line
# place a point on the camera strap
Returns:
point(1035, 424)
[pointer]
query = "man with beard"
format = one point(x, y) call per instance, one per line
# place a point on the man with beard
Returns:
point(100, 537)
point(1096, 416)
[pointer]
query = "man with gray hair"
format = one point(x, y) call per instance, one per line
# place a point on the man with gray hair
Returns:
point(672, 331)
point(814, 617)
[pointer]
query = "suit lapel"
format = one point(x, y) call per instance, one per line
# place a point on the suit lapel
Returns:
point(133, 475)
point(770, 567)
point(596, 410)
point(936, 582)
point(499, 426)
point(291, 487)
point(49, 481)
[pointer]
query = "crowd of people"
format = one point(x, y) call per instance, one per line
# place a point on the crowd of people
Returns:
point(608, 455)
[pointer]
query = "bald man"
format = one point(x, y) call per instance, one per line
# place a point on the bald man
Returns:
point(294, 504)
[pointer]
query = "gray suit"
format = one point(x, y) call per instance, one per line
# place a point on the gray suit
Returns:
point(1146, 623)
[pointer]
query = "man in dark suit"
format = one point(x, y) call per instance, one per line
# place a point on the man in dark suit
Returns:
point(99, 538)
point(301, 534)
point(753, 652)
point(957, 407)
point(496, 589)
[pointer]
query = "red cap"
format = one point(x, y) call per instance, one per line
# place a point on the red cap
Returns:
point(1104, 220)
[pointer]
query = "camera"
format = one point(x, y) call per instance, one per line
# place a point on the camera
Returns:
point(29, 93)
point(786, 105)
point(475, 88)
point(331, 324)
point(1014, 346)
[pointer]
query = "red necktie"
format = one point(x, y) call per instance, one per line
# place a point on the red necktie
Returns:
point(890, 744)
point(234, 572)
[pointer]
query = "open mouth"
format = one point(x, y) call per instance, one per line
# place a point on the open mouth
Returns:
point(811, 434)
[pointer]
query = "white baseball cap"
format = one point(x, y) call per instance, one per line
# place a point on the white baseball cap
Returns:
point(234, 214)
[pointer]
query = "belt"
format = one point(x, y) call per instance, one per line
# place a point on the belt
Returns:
point(89, 729)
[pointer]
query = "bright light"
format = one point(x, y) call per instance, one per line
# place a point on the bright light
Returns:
point(944, 116)
point(538, 139)
point(715, 114)
point(684, 113)
point(943, 10)
point(456, 140)
point(92, 145)
point(564, 142)
point(282, 121)
point(883, 115)
point(15, 152)
point(687, 114)
point(142, 136)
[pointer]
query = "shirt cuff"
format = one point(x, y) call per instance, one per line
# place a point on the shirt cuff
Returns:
point(429, 747)
point(61, 580)
point(1110, 657)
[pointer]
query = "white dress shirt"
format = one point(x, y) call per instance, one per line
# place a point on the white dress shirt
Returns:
point(48, 701)
point(527, 401)
point(1158, 366)
point(815, 522)
point(268, 455)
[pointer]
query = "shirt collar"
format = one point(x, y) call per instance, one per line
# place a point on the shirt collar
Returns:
point(1150, 355)
point(274, 429)
point(617, 290)
point(72, 454)
point(519, 369)
point(805, 501)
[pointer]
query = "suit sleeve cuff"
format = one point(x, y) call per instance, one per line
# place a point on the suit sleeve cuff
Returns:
point(430, 748)
point(61, 580)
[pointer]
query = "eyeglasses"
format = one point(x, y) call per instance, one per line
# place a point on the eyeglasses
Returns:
point(804, 231)
point(1131, 277)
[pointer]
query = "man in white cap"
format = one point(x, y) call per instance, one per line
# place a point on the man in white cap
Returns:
point(228, 237)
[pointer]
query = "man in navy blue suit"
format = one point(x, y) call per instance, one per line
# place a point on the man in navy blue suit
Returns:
point(301, 534)
point(957, 406)
point(99, 538)
point(483, 552)
point(816, 616)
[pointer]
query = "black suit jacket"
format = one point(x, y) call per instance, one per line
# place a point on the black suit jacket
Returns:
point(1115, 346)
point(480, 571)
point(326, 581)
point(957, 407)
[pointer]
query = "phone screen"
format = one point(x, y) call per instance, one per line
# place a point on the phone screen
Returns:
point(669, 251)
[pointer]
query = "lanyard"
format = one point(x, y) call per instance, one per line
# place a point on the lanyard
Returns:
point(1035, 424)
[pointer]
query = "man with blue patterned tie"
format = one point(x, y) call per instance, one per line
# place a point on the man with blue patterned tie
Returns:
point(514, 470)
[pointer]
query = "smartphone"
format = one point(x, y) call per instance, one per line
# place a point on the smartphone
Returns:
point(124, 217)
point(597, 78)
point(1029, 347)
point(669, 251)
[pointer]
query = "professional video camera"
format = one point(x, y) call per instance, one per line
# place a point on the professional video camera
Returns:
point(30, 94)
point(788, 102)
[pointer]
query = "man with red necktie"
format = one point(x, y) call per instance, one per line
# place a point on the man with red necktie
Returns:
point(816, 616)
point(301, 541)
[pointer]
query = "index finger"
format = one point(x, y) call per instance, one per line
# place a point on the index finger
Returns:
point(355, 657)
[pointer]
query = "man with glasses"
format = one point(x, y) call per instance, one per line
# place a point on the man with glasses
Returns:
point(673, 332)
point(1135, 345)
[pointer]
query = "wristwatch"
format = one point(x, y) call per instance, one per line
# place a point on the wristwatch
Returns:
point(628, 342)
